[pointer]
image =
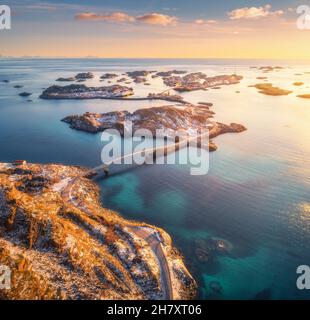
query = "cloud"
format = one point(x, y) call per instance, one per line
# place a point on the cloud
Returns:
point(253, 13)
point(149, 18)
point(202, 21)
point(157, 19)
point(112, 17)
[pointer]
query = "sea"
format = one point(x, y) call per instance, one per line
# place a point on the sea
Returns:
point(255, 197)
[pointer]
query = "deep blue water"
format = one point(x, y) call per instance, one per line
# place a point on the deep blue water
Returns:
point(256, 195)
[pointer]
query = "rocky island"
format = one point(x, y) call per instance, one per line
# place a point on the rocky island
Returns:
point(25, 94)
point(304, 96)
point(270, 90)
point(60, 243)
point(79, 77)
point(108, 76)
point(199, 81)
point(169, 118)
point(78, 91)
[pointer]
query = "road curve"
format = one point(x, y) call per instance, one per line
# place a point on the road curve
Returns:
point(65, 187)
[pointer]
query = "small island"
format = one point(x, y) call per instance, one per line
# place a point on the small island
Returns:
point(270, 90)
point(199, 81)
point(80, 77)
point(79, 91)
point(304, 96)
point(172, 119)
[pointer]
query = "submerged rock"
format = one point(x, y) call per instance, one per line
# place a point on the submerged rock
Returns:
point(215, 286)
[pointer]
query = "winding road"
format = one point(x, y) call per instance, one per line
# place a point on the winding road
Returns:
point(148, 234)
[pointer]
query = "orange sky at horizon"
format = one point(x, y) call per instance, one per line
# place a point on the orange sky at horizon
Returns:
point(272, 37)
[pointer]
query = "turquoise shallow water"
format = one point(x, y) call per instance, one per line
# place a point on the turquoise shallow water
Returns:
point(255, 196)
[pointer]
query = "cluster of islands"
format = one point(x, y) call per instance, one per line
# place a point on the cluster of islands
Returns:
point(56, 237)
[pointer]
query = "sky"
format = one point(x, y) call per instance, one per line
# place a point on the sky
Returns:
point(156, 29)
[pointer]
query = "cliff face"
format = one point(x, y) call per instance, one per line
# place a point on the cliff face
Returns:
point(61, 244)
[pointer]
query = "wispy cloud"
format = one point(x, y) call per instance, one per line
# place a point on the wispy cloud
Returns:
point(112, 17)
point(121, 17)
point(203, 21)
point(157, 19)
point(42, 6)
point(254, 13)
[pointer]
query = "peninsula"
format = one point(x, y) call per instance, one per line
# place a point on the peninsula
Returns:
point(60, 243)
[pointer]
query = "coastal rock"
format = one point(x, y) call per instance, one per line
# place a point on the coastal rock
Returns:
point(84, 76)
point(61, 244)
point(25, 94)
point(76, 91)
point(136, 74)
point(66, 79)
point(122, 80)
point(109, 76)
point(139, 80)
point(169, 73)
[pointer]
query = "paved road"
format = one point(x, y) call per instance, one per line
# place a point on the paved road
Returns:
point(146, 233)
point(156, 246)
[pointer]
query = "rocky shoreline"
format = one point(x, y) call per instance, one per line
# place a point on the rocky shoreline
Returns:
point(64, 245)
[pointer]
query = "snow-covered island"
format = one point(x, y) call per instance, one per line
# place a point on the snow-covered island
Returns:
point(199, 81)
point(171, 118)
point(80, 91)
